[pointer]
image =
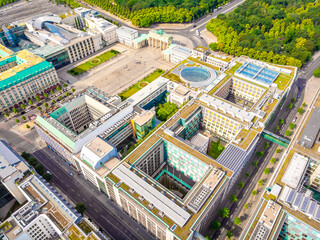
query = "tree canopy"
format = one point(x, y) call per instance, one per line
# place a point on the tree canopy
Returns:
point(164, 111)
point(281, 32)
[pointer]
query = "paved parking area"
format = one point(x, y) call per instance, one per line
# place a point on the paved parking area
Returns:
point(119, 73)
point(22, 10)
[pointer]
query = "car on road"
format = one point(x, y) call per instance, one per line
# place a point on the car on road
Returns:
point(194, 26)
point(215, 10)
point(299, 95)
point(70, 173)
point(28, 110)
point(294, 120)
point(197, 32)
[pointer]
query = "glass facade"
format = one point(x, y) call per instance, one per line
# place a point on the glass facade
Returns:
point(294, 228)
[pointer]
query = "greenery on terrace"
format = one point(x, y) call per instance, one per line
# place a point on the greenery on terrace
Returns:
point(85, 227)
point(215, 149)
point(93, 62)
point(282, 81)
point(141, 84)
point(5, 226)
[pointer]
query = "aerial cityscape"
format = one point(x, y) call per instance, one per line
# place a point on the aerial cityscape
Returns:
point(170, 120)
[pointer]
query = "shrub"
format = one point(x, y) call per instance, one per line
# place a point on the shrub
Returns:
point(316, 72)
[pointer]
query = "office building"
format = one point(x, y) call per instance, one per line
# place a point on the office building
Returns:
point(101, 26)
point(22, 76)
point(49, 30)
point(126, 35)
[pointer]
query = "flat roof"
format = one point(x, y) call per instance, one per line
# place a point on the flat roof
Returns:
point(295, 171)
point(311, 130)
point(99, 147)
point(171, 209)
point(144, 117)
point(226, 107)
point(8, 154)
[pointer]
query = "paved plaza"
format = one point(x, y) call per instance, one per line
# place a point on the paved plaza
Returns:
point(120, 72)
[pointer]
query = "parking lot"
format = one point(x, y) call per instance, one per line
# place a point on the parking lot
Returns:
point(120, 72)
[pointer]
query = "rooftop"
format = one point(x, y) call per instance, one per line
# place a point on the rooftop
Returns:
point(28, 65)
point(311, 130)
point(144, 117)
point(295, 171)
point(99, 147)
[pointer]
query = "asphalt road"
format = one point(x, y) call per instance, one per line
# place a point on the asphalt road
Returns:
point(77, 193)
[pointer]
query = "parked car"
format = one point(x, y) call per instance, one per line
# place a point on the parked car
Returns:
point(294, 120)
point(299, 95)
point(70, 173)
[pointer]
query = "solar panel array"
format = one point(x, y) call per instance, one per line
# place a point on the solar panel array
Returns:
point(228, 156)
point(301, 202)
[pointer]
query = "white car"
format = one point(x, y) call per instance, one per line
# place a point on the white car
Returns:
point(197, 32)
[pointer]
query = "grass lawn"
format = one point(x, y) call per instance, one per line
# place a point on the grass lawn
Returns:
point(93, 62)
point(215, 149)
point(142, 83)
point(282, 81)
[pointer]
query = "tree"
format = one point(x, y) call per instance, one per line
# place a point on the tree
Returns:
point(52, 91)
point(266, 145)
point(39, 108)
point(266, 171)
point(37, 98)
point(260, 154)
point(290, 106)
point(17, 120)
point(229, 234)
point(53, 101)
point(278, 150)
point(81, 208)
point(300, 110)
point(33, 161)
point(273, 160)
point(45, 95)
point(247, 174)
point(255, 164)
point(58, 88)
point(224, 212)
point(73, 90)
point(65, 85)
point(14, 110)
point(233, 198)
point(292, 125)
point(23, 118)
point(246, 206)
point(260, 182)
point(67, 94)
point(60, 98)
point(30, 102)
point(304, 104)
point(277, 128)
point(25, 155)
point(39, 168)
point(47, 176)
point(237, 221)
point(215, 225)
point(6, 114)
point(293, 100)
point(23, 106)
point(164, 111)
point(254, 193)
point(281, 121)
point(27, 126)
point(46, 105)
point(287, 133)
point(241, 184)
point(316, 72)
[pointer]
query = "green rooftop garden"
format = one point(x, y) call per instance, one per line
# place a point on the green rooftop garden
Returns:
point(282, 81)
point(141, 84)
point(93, 62)
point(85, 227)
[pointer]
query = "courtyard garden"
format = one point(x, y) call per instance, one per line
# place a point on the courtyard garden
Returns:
point(93, 62)
point(215, 149)
point(141, 84)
